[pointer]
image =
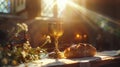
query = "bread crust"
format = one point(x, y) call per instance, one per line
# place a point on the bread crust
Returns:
point(80, 50)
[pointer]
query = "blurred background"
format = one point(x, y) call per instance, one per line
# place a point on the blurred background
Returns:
point(84, 21)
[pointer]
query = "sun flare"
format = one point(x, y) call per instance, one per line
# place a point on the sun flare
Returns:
point(61, 5)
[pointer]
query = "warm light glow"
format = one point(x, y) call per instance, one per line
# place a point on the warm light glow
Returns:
point(89, 15)
point(85, 36)
point(61, 5)
point(40, 18)
point(57, 33)
point(78, 36)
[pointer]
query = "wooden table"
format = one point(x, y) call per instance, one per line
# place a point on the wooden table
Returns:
point(102, 59)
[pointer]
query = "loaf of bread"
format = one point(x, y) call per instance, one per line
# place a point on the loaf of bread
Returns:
point(80, 50)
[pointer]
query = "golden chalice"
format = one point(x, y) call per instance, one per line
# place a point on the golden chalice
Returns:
point(56, 31)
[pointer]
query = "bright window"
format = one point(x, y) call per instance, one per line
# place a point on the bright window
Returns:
point(47, 7)
point(4, 6)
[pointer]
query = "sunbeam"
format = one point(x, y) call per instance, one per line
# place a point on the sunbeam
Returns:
point(61, 5)
point(104, 22)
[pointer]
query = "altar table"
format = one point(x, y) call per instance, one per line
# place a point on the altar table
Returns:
point(100, 59)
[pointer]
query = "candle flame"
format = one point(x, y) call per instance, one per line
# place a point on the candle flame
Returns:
point(78, 36)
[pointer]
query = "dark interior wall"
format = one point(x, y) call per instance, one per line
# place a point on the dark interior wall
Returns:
point(109, 8)
point(38, 31)
point(118, 9)
point(33, 8)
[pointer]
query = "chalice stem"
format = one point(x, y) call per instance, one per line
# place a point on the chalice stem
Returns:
point(56, 45)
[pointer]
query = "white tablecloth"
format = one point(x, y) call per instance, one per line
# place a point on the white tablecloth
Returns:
point(83, 62)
